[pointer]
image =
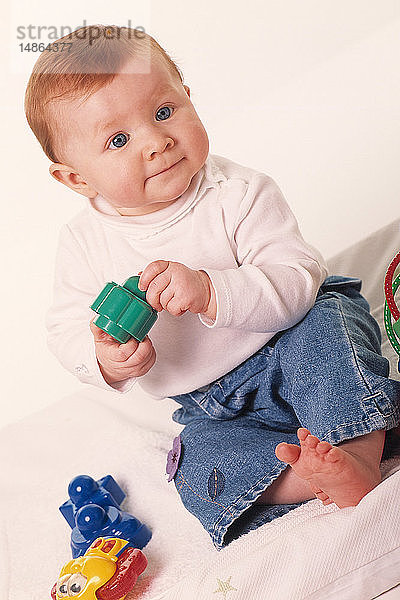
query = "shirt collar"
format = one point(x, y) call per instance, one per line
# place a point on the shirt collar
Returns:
point(212, 172)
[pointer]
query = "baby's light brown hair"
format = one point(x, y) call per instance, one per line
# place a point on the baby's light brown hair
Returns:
point(78, 65)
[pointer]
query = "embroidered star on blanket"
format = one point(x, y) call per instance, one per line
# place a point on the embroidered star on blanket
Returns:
point(224, 587)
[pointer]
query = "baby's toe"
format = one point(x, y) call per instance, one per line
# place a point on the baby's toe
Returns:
point(322, 496)
point(334, 454)
point(318, 492)
point(311, 442)
point(302, 433)
point(323, 447)
point(326, 502)
point(287, 453)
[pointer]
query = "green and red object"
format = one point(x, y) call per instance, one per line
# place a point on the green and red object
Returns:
point(391, 312)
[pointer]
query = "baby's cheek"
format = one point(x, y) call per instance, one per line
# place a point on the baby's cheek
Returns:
point(197, 139)
point(124, 187)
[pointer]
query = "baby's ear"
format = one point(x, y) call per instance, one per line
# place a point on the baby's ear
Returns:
point(187, 89)
point(71, 179)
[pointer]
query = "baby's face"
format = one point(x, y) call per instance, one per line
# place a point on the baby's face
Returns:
point(124, 135)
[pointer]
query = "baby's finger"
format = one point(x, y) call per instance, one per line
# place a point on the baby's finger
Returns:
point(145, 366)
point(156, 287)
point(122, 352)
point(175, 307)
point(152, 270)
point(142, 353)
point(100, 335)
point(166, 296)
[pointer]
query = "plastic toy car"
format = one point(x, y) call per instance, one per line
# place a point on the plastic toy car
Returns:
point(107, 571)
point(93, 511)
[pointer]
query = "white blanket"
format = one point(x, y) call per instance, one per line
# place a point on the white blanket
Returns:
point(311, 553)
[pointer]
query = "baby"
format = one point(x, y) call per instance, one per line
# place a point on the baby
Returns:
point(283, 391)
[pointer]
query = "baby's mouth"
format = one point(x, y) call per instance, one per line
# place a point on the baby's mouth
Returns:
point(167, 169)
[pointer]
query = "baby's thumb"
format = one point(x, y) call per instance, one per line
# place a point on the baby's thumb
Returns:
point(98, 334)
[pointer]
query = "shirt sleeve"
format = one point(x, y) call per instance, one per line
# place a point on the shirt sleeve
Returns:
point(67, 320)
point(278, 273)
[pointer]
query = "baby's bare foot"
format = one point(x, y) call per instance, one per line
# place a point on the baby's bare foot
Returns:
point(341, 474)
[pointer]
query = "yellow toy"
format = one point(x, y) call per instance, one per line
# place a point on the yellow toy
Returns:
point(107, 571)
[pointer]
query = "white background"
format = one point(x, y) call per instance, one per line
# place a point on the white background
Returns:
point(307, 91)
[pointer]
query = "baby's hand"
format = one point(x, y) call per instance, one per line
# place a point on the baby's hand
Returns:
point(120, 361)
point(176, 288)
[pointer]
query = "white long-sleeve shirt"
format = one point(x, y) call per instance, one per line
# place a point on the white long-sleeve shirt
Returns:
point(234, 223)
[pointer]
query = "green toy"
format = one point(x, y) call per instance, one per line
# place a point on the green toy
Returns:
point(391, 310)
point(123, 311)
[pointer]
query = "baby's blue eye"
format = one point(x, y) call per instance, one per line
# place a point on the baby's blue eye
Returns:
point(164, 113)
point(118, 141)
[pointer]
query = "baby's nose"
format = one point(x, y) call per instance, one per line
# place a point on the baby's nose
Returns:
point(156, 144)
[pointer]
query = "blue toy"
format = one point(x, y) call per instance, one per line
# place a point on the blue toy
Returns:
point(93, 511)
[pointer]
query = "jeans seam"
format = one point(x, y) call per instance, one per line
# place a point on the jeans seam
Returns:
point(181, 482)
point(352, 347)
point(201, 402)
point(217, 525)
point(341, 426)
point(194, 399)
point(200, 405)
point(381, 393)
point(218, 383)
point(362, 422)
point(267, 354)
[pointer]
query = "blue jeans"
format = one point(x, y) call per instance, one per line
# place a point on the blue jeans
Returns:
point(326, 373)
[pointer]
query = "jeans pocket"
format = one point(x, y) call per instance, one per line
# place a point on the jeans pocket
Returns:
point(345, 289)
point(338, 283)
point(221, 407)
